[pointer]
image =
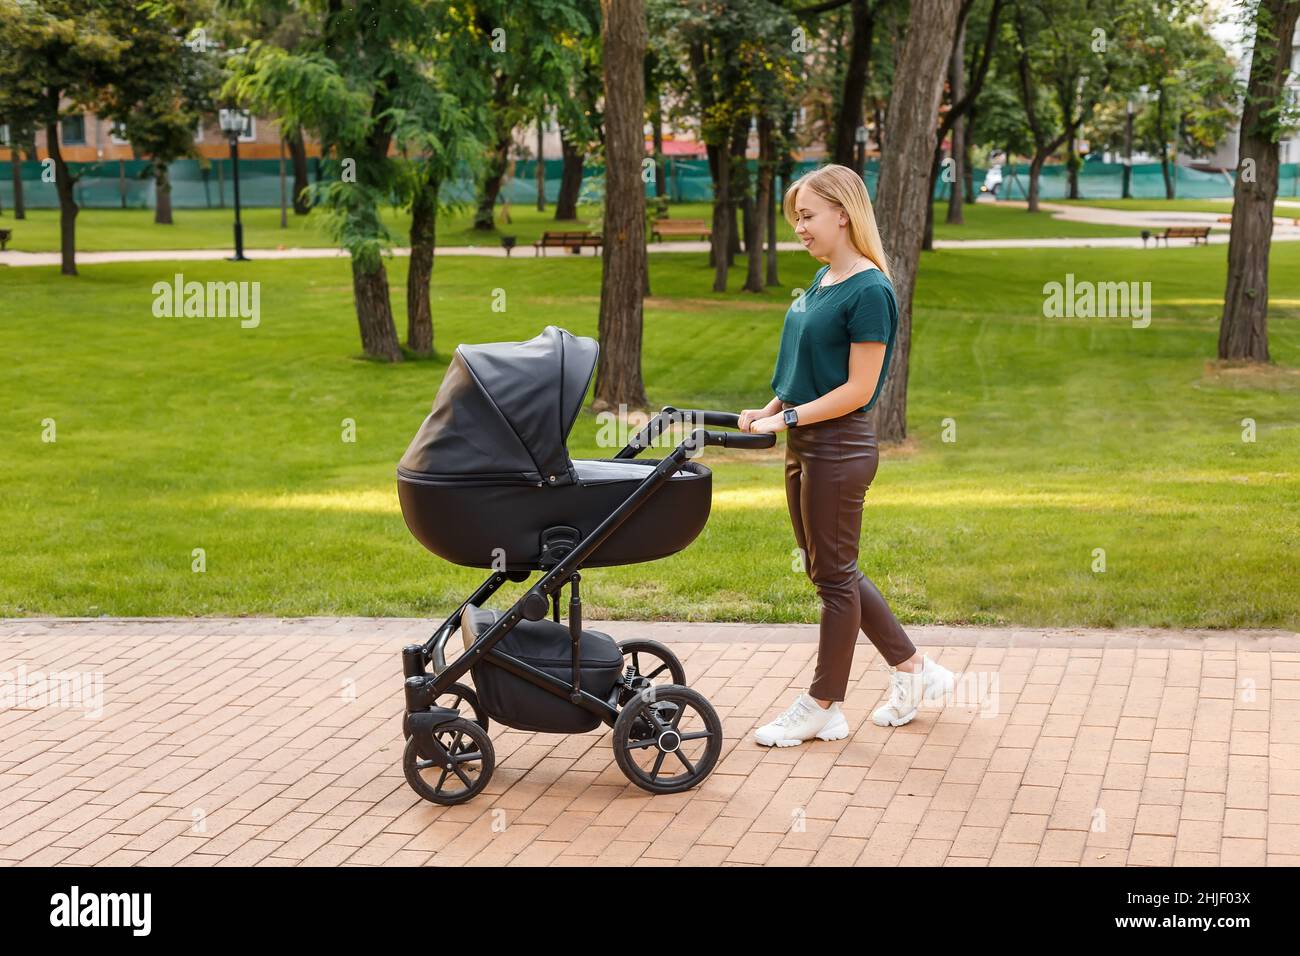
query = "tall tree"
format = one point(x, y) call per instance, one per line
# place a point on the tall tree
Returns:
point(618, 373)
point(345, 88)
point(1243, 329)
point(69, 50)
point(903, 190)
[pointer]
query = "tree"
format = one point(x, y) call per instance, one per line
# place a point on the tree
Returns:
point(167, 82)
point(345, 87)
point(1064, 63)
point(530, 57)
point(618, 373)
point(437, 117)
point(67, 51)
point(1243, 329)
point(903, 191)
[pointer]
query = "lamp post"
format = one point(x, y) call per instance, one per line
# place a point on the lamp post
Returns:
point(235, 123)
point(860, 137)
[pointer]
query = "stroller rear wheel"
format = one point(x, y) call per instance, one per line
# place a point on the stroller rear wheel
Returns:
point(464, 776)
point(667, 739)
point(646, 664)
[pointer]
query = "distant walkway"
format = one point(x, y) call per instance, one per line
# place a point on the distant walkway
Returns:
point(1284, 230)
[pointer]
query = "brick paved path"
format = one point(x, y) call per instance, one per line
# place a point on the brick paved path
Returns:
point(275, 742)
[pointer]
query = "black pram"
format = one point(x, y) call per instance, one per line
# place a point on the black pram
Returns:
point(488, 483)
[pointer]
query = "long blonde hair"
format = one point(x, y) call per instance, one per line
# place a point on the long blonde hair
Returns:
point(841, 186)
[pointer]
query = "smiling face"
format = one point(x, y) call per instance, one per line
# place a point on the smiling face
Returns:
point(820, 225)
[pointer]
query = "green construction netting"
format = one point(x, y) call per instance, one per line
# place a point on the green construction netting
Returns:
point(198, 185)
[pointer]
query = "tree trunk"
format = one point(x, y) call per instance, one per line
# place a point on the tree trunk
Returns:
point(968, 170)
point(16, 162)
point(660, 186)
point(957, 152)
point(298, 156)
point(618, 372)
point(541, 164)
point(496, 170)
point(162, 208)
point(763, 204)
point(566, 204)
point(855, 83)
point(63, 185)
point(419, 316)
point(375, 313)
point(755, 218)
point(902, 194)
point(1243, 330)
point(721, 219)
point(1071, 166)
point(1035, 167)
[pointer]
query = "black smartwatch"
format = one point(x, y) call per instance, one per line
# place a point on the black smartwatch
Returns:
point(791, 416)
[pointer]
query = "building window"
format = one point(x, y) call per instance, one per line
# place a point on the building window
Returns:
point(117, 135)
point(73, 131)
point(4, 134)
point(251, 135)
point(198, 131)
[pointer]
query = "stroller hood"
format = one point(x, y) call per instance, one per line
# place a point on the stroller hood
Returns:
point(504, 410)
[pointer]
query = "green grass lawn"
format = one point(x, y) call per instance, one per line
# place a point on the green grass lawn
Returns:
point(118, 229)
point(1072, 435)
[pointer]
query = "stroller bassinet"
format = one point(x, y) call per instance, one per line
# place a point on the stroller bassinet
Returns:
point(489, 474)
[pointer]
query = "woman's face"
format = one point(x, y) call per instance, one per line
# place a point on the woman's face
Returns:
point(818, 224)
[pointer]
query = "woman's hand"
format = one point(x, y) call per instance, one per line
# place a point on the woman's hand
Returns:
point(749, 416)
point(769, 425)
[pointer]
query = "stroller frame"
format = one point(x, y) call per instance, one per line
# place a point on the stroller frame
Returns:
point(423, 688)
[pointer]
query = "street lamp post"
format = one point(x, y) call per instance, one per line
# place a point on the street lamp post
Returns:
point(235, 123)
point(861, 138)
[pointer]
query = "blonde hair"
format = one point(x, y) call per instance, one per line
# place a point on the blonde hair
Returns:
point(842, 187)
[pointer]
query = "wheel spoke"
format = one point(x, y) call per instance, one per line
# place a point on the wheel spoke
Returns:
point(464, 779)
point(697, 735)
point(656, 672)
point(659, 762)
point(438, 788)
point(682, 757)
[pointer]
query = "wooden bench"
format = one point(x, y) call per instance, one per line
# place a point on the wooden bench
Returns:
point(680, 227)
point(573, 241)
point(5, 236)
point(1197, 234)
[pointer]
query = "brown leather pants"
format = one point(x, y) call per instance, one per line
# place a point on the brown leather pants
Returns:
point(828, 467)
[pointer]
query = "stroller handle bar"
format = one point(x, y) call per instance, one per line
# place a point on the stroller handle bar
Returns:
point(699, 437)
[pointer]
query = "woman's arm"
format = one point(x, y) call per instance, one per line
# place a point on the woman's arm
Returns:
point(865, 362)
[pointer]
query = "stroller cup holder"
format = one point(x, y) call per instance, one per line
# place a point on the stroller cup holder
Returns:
point(528, 672)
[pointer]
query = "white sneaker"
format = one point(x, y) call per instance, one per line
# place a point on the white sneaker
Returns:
point(805, 719)
point(908, 690)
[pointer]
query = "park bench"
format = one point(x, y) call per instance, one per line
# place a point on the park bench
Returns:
point(679, 227)
point(573, 241)
point(1197, 234)
point(5, 236)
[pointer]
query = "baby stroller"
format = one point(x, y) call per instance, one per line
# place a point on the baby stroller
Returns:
point(488, 483)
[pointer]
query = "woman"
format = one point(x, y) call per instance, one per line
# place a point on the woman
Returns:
point(833, 358)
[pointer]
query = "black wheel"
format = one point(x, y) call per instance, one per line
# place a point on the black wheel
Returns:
point(646, 664)
point(667, 739)
point(463, 699)
point(472, 760)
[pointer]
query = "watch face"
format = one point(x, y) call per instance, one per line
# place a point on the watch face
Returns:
point(791, 416)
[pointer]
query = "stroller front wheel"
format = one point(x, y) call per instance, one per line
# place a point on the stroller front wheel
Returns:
point(667, 739)
point(467, 771)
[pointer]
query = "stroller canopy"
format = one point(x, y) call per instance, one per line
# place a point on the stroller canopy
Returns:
point(505, 409)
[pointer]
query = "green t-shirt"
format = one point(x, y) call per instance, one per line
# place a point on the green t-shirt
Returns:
point(814, 355)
